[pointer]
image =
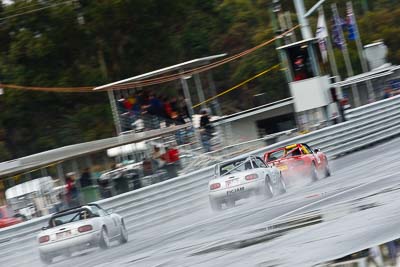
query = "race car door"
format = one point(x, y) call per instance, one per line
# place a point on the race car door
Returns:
point(112, 226)
point(273, 173)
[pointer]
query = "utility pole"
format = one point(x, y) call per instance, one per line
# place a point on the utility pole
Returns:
point(304, 25)
point(274, 10)
point(346, 56)
point(306, 30)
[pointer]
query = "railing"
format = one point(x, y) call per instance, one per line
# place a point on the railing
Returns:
point(371, 108)
point(164, 201)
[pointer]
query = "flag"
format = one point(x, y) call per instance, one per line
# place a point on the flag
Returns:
point(322, 34)
point(337, 32)
point(351, 23)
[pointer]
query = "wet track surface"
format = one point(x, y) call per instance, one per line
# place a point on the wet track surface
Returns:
point(358, 206)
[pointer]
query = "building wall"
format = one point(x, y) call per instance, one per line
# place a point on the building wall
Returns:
point(245, 129)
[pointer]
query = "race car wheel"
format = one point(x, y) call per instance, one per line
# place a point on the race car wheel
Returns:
point(46, 259)
point(123, 238)
point(313, 173)
point(215, 205)
point(282, 185)
point(268, 189)
point(327, 170)
point(104, 240)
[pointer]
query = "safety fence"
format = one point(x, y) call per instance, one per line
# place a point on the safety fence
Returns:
point(170, 199)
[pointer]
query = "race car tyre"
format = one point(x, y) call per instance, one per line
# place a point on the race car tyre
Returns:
point(123, 238)
point(327, 171)
point(268, 189)
point(46, 259)
point(282, 185)
point(313, 173)
point(215, 205)
point(230, 203)
point(104, 240)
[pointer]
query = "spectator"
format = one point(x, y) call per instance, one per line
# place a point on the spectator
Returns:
point(299, 69)
point(147, 167)
point(174, 105)
point(167, 111)
point(86, 179)
point(387, 93)
point(183, 107)
point(171, 156)
point(206, 130)
point(71, 190)
point(157, 158)
point(179, 134)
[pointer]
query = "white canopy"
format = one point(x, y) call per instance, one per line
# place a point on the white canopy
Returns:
point(37, 185)
point(126, 149)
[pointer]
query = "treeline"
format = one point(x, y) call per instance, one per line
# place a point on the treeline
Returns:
point(88, 42)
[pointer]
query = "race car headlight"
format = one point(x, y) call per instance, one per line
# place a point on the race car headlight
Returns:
point(251, 176)
point(85, 228)
point(44, 239)
point(215, 186)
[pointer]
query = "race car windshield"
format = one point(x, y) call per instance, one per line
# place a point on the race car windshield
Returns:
point(276, 155)
point(69, 217)
point(234, 166)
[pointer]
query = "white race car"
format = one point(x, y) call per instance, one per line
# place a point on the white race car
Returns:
point(241, 178)
point(80, 228)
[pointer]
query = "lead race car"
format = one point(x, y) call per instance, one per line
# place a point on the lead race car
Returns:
point(299, 160)
point(80, 228)
point(241, 178)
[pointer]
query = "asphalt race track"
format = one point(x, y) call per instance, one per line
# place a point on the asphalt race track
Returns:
point(357, 207)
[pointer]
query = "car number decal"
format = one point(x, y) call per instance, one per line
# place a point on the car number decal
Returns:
point(229, 192)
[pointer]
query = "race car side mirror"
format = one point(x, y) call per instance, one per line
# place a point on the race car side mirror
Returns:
point(317, 150)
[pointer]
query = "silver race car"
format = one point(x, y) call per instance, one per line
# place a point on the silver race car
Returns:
point(241, 178)
point(80, 228)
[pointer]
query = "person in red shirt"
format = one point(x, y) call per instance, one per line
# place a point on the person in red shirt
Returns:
point(71, 190)
point(171, 156)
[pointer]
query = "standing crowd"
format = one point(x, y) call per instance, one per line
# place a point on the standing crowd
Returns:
point(153, 109)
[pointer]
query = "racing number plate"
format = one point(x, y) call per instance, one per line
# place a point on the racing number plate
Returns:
point(235, 190)
point(232, 182)
point(282, 167)
point(63, 234)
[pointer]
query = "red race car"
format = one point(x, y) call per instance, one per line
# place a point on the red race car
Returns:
point(299, 160)
point(7, 217)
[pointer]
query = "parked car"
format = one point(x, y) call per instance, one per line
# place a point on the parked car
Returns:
point(299, 160)
point(80, 228)
point(8, 217)
point(241, 178)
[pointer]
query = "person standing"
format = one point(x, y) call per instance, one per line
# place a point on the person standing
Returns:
point(86, 179)
point(71, 191)
point(157, 158)
point(206, 130)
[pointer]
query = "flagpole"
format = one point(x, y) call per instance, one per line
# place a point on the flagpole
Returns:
point(331, 55)
point(346, 56)
point(361, 53)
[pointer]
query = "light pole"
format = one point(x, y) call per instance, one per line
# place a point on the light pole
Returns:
point(303, 21)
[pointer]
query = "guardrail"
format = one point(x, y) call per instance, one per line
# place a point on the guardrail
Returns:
point(164, 201)
point(355, 113)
